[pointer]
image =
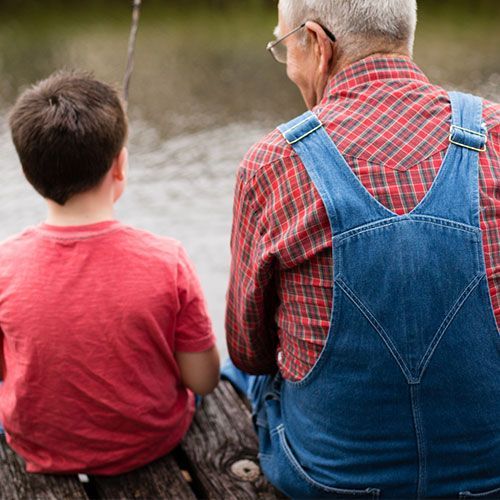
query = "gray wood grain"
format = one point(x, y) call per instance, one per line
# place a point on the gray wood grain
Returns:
point(220, 452)
point(17, 484)
point(222, 449)
point(160, 479)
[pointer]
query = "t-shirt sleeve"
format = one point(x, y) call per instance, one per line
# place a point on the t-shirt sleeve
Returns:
point(193, 332)
point(2, 362)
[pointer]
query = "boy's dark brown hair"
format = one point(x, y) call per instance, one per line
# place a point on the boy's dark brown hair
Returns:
point(67, 130)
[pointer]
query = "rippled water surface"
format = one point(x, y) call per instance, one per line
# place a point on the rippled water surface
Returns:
point(203, 91)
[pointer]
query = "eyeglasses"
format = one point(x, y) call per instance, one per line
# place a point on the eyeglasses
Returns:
point(279, 51)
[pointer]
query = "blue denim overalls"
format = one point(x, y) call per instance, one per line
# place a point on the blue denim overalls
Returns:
point(404, 401)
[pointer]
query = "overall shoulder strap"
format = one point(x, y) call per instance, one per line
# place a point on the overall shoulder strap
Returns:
point(455, 192)
point(348, 203)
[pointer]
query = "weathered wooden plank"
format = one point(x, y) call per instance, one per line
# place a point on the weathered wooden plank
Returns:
point(16, 484)
point(160, 479)
point(222, 449)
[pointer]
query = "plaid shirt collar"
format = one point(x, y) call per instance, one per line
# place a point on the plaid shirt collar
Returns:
point(392, 83)
point(371, 69)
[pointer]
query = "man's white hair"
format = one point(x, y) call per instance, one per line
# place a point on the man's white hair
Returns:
point(353, 21)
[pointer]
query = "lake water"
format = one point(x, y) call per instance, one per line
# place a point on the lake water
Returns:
point(203, 91)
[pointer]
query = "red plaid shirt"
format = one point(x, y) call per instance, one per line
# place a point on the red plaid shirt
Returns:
point(392, 126)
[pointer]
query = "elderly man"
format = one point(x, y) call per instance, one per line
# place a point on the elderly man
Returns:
point(365, 269)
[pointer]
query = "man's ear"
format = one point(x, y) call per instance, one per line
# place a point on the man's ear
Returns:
point(322, 46)
point(119, 167)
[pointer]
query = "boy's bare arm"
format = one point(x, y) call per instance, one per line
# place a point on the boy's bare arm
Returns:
point(199, 370)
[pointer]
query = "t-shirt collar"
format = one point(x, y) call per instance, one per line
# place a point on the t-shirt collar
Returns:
point(84, 230)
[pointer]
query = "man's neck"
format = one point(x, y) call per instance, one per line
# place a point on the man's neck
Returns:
point(345, 62)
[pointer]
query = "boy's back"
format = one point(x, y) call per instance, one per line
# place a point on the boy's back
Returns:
point(91, 317)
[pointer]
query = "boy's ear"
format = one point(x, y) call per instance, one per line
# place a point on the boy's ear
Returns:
point(119, 167)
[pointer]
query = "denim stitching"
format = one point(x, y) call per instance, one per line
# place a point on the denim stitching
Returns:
point(327, 199)
point(376, 325)
point(440, 221)
point(339, 162)
point(304, 135)
point(316, 367)
point(298, 468)
point(362, 191)
point(415, 218)
point(277, 430)
point(482, 268)
point(337, 261)
point(323, 192)
point(478, 254)
point(446, 323)
point(468, 494)
point(476, 218)
point(450, 158)
point(310, 116)
point(339, 238)
point(417, 422)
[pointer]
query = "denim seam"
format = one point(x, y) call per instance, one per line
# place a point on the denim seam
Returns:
point(481, 262)
point(327, 200)
point(303, 148)
point(445, 324)
point(317, 365)
point(378, 328)
point(468, 494)
point(421, 451)
point(361, 191)
point(277, 430)
point(476, 204)
point(293, 140)
point(340, 238)
point(320, 187)
point(440, 221)
point(298, 468)
point(309, 117)
point(309, 377)
point(448, 159)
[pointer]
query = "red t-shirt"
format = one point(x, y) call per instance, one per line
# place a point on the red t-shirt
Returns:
point(90, 318)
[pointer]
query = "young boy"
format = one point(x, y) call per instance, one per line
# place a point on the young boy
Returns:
point(103, 327)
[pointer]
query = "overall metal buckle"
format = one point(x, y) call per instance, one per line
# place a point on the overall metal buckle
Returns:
point(478, 134)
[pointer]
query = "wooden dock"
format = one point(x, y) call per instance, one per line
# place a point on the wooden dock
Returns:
point(216, 460)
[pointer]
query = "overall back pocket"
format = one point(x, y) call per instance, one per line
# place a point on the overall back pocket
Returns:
point(302, 475)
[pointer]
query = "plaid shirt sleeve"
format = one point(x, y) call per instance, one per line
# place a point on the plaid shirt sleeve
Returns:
point(489, 181)
point(251, 296)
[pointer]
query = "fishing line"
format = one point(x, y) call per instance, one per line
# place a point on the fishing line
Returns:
point(136, 11)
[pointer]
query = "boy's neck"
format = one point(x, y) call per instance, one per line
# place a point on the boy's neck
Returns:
point(79, 211)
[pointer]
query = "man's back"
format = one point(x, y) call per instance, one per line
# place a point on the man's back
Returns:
point(91, 317)
point(392, 127)
point(404, 399)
